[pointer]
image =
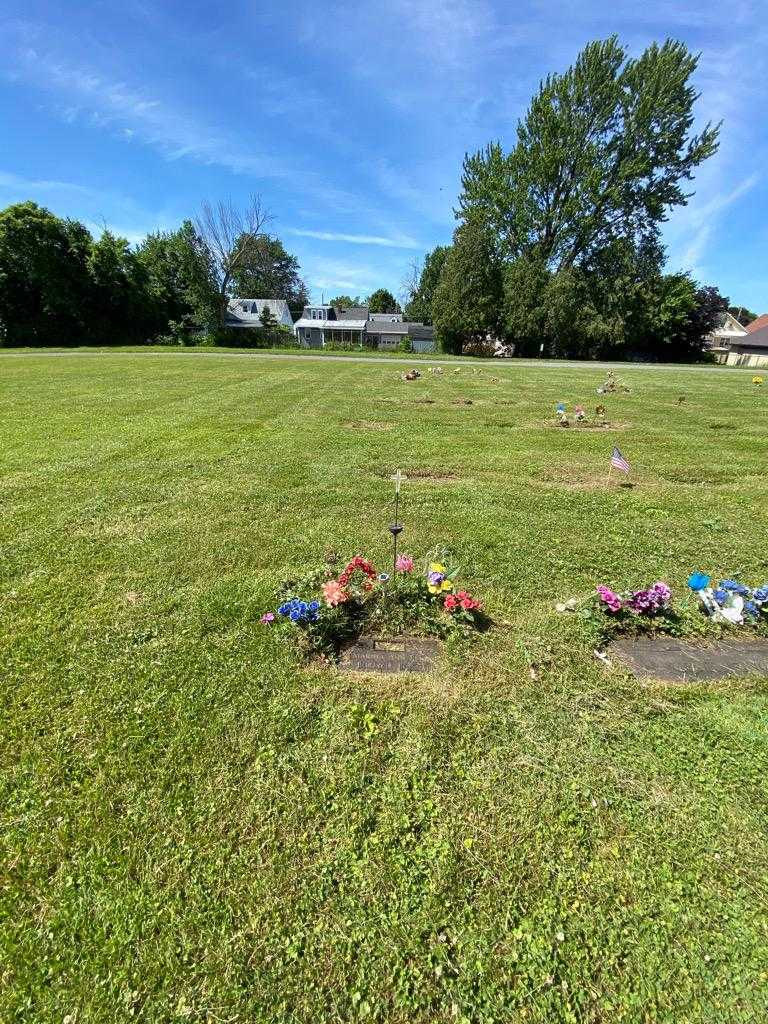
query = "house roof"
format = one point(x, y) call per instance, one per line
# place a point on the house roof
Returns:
point(351, 312)
point(729, 327)
point(253, 307)
point(409, 327)
point(331, 325)
point(755, 339)
point(756, 325)
point(386, 327)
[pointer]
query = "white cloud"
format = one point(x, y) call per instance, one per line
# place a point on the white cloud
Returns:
point(338, 236)
point(26, 187)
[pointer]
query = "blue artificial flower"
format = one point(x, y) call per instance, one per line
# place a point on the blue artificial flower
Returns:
point(284, 609)
point(737, 588)
point(751, 608)
point(721, 596)
point(698, 581)
point(295, 615)
point(761, 594)
point(314, 605)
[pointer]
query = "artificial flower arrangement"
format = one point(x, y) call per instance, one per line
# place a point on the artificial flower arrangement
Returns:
point(326, 610)
point(729, 601)
point(630, 607)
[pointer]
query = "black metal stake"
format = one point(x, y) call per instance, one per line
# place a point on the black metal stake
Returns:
point(396, 528)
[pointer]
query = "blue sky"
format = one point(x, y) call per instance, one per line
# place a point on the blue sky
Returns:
point(350, 120)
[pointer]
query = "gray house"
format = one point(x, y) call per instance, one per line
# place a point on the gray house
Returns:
point(247, 312)
point(355, 327)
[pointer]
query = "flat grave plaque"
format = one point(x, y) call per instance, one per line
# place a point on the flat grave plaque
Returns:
point(678, 661)
point(391, 656)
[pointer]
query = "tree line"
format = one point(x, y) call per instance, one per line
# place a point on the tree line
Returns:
point(61, 286)
point(557, 246)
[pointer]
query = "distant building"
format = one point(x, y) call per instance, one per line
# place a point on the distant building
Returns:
point(756, 325)
point(354, 327)
point(720, 341)
point(247, 312)
point(734, 345)
point(752, 349)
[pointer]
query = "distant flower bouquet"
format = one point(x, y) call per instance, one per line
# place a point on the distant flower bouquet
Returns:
point(730, 602)
point(332, 610)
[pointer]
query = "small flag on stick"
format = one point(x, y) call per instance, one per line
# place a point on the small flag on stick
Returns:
point(618, 461)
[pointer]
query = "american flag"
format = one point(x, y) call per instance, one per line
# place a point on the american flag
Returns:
point(618, 461)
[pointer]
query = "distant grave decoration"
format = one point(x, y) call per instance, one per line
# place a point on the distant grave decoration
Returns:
point(368, 620)
point(612, 385)
point(757, 380)
point(411, 375)
point(580, 417)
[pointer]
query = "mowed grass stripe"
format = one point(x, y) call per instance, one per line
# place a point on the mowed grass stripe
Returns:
point(197, 827)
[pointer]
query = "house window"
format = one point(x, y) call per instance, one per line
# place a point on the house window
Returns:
point(245, 306)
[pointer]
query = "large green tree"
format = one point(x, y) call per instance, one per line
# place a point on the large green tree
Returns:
point(423, 285)
point(468, 301)
point(45, 287)
point(382, 301)
point(181, 288)
point(269, 272)
point(345, 301)
point(742, 314)
point(603, 153)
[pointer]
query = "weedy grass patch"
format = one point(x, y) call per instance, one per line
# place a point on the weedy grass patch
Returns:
point(197, 827)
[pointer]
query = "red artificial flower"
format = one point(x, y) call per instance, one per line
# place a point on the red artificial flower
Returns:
point(451, 602)
point(467, 602)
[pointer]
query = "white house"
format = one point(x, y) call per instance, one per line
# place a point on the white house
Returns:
point(247, 312)
point(724, 336)
point(355, 327)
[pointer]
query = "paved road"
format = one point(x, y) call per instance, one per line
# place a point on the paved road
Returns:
point(551, 364)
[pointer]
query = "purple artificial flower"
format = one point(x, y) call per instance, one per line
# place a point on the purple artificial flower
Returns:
point(661, 592)
point(642, 602)
point(267, 618)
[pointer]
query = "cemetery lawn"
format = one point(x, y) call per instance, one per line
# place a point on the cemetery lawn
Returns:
point(196, 828)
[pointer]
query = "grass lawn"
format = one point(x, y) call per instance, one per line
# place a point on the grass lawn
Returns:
point(195, 828)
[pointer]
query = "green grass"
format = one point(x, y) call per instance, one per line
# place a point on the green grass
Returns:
point(195, 828)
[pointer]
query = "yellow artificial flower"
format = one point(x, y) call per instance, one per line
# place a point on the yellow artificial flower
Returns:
point(444, 584)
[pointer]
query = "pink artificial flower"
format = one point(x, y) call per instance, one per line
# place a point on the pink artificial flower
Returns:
point(267, 618)
point(611, 600)
point(334, 593)
point(404, 563)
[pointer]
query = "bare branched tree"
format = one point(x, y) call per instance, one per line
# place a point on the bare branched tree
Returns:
point(409, 286)
point(231, 235)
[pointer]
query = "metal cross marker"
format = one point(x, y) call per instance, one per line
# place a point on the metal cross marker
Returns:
point(398, 479)
point(396, 528)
